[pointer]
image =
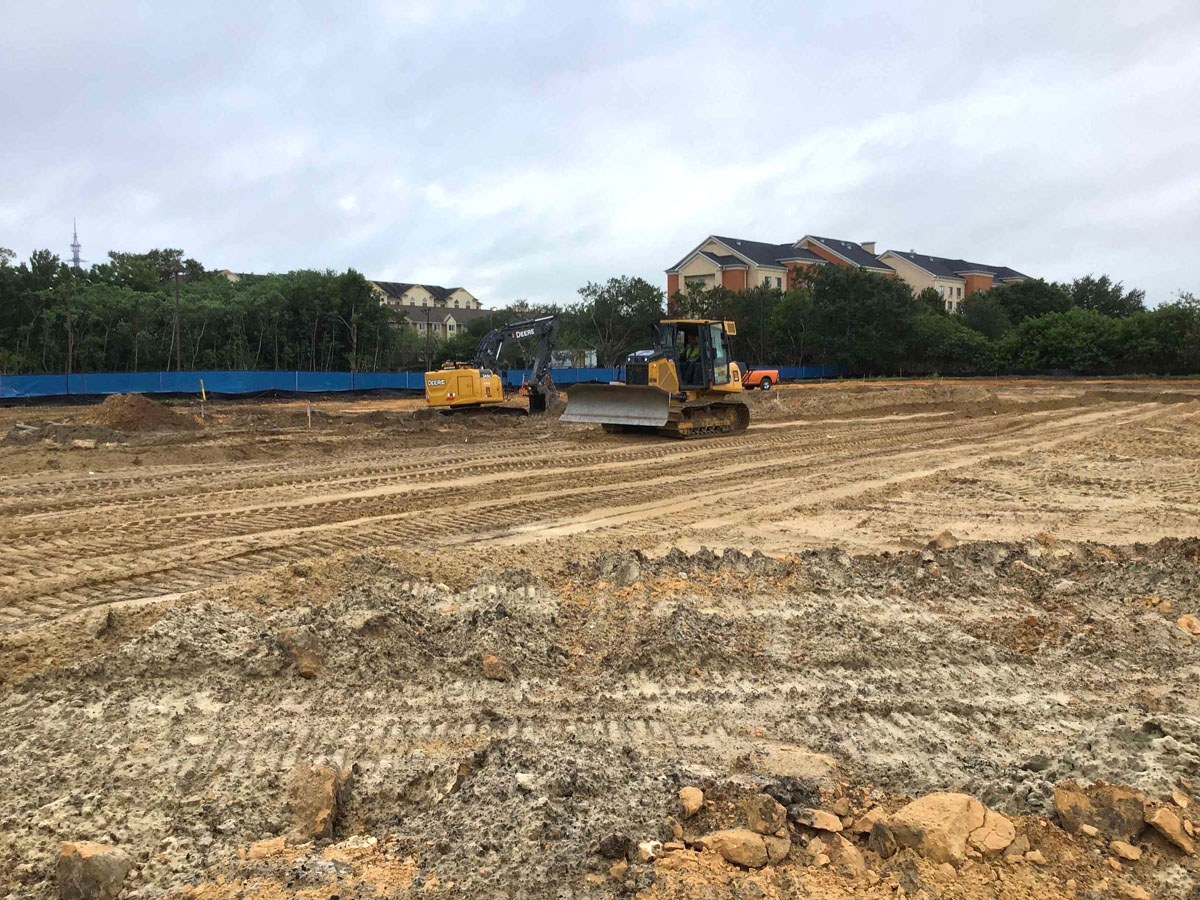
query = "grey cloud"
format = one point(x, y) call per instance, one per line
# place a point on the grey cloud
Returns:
point(523, 149)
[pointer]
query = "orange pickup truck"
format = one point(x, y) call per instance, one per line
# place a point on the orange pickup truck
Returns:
point(763, 379)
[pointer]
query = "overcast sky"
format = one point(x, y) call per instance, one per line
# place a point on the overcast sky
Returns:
point(522, 149)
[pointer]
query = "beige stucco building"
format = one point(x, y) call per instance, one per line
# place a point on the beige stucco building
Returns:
point(953, 279)
point(431, 309)
point(736, 263)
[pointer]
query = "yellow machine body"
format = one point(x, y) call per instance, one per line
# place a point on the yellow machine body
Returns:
point(452, 387)
point(651, 397)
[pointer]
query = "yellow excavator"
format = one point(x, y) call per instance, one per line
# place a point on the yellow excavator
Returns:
point(687, 385)
point(475, 385)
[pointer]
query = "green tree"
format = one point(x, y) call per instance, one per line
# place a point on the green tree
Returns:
point(1169, 336)
point(931, 299)
point(1031, 298)
point(790, 327)
point(1106, 296)
point(1080, 340)
point(986, 314)
point(617, 317)
point(863, 320)
point(945, 345)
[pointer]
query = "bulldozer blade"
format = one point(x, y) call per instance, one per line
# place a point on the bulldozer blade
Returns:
point(617, 404)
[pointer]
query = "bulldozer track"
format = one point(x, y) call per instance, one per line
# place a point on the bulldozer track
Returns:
point(78, 541)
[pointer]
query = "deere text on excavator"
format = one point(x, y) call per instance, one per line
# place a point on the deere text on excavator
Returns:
point(476, 385)
point(686, 386)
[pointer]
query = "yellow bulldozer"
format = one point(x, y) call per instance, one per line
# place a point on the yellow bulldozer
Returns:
point(687, 385)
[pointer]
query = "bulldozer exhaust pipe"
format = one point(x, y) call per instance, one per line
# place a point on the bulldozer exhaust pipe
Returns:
point(617, 404)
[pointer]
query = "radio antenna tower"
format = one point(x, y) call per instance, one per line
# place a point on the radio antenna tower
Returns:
point(75, 247)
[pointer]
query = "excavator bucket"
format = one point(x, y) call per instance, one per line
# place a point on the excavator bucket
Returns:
point(617, 404)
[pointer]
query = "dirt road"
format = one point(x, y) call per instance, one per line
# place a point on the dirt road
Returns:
point(155, 587)
point(1085, 467)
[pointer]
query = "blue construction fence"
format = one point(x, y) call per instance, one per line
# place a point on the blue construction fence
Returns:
point(16, 387)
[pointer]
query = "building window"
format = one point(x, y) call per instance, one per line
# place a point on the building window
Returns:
point(960, 292)
point(456, 304)
point(778, 282)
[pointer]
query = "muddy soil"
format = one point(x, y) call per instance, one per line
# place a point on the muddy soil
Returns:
point(994, 669)
point(149, 585)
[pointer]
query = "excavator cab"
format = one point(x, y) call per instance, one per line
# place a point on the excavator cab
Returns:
point(686, 385)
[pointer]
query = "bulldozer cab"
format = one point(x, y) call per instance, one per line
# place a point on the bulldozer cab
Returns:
point(700, 349)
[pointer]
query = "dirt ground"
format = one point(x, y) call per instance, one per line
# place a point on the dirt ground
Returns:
point(149, 698)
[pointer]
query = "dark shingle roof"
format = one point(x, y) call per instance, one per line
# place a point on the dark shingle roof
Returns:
point(727, 259)
point(853, 252)
point(398, 288)
point(758, 252)
point(761, 254)
point(943, 267)
point(798, 254)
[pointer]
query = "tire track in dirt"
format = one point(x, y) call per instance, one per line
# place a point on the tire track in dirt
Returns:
point(636, 487)
point(270, 519)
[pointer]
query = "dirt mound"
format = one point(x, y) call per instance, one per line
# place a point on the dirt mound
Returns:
point(135, 412)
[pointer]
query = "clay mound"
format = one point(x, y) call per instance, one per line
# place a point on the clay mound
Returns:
point(134, 412)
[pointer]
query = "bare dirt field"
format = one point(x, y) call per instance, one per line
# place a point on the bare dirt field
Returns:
point(191, 611)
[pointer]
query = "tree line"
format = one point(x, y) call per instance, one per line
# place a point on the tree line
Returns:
point(162, 311)
point(866, 324)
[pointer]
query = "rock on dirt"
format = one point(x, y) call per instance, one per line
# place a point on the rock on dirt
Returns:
point(648, 851)
point(690, 801)
point(134, 412)
point(98, 621)
point(1190, 624)
point(266, 848)
point(944, 541)
point(89, 871)
point(300, 642)
point(995, 836)
point(864, 823)
point(940, 827)
point(1117, 812)
point(1126, 851)
point(765, 814)
point(816, 818)
point(615, 846)
point(1134, 892)
point(1169, 825)
point(493, 668)
point(882, 841)
point(744, 847)
point(317, 794)
point(845, 857)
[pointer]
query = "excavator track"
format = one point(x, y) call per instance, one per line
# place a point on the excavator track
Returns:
point(707, 420)
point(700, 420)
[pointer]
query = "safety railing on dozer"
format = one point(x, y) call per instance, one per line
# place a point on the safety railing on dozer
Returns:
point(17, 387)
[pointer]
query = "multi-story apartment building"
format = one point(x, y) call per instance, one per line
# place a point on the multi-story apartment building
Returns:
point(737, 263)
point(430, 308)
point(953, 279)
